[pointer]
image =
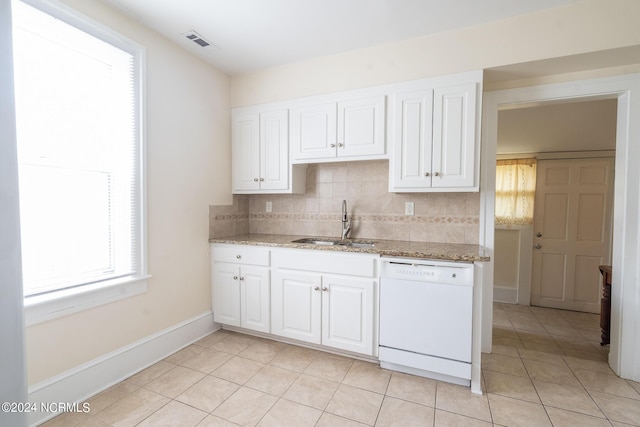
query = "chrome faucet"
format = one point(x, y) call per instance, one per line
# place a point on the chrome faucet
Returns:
point(346, 222)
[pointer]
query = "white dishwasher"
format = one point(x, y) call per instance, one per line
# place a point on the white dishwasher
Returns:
point(426, 318)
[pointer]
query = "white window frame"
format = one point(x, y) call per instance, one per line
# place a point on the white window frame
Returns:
point(51, 305)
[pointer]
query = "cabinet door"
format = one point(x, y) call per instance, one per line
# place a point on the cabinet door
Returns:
point(347, 313)
point(245, 151)
point(226, 293)
point(274, 150)
point(361, 127)
point(313, 131)
point(454, 136)
point(254, 298)
point(295, 305)
point(412, 137)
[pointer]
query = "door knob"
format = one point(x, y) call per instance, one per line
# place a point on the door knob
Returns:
point(538, 234)
point(538, 246)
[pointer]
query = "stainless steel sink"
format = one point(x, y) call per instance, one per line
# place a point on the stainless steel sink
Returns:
point(336, 242)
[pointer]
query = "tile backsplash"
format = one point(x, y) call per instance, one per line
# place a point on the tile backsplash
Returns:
point(375, 213)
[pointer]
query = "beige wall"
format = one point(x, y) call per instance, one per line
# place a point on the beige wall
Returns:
point(188, 134)
point(583, 26)
point(506, 258)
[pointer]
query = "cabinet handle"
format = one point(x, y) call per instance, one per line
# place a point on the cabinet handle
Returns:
point(332, 145)
point(235, 277)
point(255, 179)
point(325, 289)
point(427, 174)
point(317, 288)
point(238, 256)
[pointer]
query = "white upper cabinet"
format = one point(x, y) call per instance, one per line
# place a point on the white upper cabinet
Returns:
point(313, 131)
point(434, 135)
point(412, 140)
point(454, 137)
point(260, 153)
point(350, 128)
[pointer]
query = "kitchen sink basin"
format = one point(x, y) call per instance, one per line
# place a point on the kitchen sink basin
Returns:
point(336, 242)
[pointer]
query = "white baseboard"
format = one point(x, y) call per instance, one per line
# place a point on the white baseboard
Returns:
point(88, 379)
point(501, 294)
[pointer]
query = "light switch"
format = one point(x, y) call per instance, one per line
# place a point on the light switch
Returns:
point(269, 207)
point(409, 208)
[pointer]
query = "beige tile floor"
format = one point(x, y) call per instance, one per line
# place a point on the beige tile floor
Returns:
point(547, 368)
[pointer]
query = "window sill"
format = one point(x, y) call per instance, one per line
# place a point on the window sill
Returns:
point(41, 308)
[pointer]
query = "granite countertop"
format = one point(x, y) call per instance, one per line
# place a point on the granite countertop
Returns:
point(395, 248)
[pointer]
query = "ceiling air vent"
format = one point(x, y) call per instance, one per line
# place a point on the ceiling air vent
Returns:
point(196, 38)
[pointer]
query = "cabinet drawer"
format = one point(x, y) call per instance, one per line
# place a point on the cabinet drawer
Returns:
point(326, 262)
point(240, 254)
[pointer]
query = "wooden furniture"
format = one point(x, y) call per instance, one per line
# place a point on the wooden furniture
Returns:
point(605, 304)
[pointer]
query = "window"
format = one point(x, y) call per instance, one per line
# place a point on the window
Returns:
point(515, 191)
point(80, 155)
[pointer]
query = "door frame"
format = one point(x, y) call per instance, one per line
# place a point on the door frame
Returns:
point(624, 354)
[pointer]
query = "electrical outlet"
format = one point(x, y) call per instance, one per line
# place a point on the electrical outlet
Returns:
point(269, 207)
point(409, 208)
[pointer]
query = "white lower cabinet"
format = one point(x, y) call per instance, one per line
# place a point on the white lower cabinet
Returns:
point(240, 291)
point(319, 297)
point(334, 310)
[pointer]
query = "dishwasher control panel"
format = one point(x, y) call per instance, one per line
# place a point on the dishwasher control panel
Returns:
point(428, 271)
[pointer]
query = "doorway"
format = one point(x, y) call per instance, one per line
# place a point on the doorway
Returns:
point(625, 342)
point(568, 137)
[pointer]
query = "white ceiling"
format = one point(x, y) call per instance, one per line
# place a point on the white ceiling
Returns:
point(248, 35)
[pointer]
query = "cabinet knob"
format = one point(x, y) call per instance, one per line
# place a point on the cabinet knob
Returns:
point(255, 179)
point(317, 288)
point(235, 277)
point(538, 234)
point(241, 278)
point(538, 246)
point(238, 256)
point(340, 145)
point(332, 145)
point(325, 289)
point(427, 174)
point(437, 174)
point(261, 179)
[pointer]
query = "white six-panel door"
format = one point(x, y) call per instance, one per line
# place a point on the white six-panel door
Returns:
point(572, 232)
